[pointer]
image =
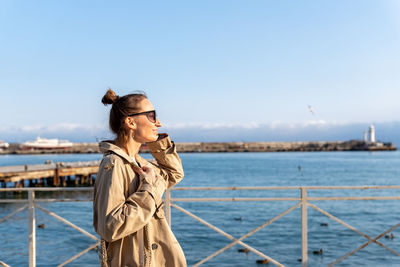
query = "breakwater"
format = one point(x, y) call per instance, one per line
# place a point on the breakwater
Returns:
point(213, 147)
point(77, 148)
point(352, 145)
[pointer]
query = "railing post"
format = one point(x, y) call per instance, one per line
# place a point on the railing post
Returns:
point(304, 228)
point(168, 206)
point(32, 229)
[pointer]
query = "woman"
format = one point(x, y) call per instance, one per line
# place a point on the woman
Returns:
point(127, 208)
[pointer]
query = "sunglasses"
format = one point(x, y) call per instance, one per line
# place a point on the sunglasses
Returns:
point(151, 115)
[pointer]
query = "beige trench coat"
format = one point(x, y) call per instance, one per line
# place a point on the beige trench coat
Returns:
point(128, 214)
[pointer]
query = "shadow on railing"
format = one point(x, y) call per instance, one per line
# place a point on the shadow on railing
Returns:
point(303, 202)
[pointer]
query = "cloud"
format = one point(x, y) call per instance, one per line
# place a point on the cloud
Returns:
point(214, 125)
point(315, 122)
point(71, 131)
point(313, 130)
point(255, 125)
point(50, 128)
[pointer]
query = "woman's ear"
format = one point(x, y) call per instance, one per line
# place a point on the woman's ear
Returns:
point(130, 123)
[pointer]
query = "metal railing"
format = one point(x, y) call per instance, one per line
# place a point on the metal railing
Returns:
point(32, 204)
point(302, 202)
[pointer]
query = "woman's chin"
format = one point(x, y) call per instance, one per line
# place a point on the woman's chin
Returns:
point(152, 139)
point(155, 137)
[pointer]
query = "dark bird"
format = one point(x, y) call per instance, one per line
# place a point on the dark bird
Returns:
point(244, 250)
point(238, 218)
point(323, 224)
point(318, 252)
point(299, 168)
point(391, 236)
point(265, 261)
point(42, 226)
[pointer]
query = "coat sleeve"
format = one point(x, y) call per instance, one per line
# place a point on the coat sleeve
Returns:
point(115, 215)
point(169, 165)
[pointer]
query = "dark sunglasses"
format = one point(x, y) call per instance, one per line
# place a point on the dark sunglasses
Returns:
point(151, 115)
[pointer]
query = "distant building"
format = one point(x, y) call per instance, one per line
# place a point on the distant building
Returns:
point(372, 133)
point(365, 136)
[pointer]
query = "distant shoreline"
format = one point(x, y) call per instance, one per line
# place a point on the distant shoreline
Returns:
point(217, 147)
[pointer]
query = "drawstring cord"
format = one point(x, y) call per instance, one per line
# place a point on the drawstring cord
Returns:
point(146, 232)
point(103, 254)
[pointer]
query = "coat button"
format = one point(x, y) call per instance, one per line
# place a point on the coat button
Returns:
point(154, 246)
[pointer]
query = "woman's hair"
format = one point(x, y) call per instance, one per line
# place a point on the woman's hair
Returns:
point(120, 109)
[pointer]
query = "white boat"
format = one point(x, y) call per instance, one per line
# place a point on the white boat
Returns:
point(4, 145)
point(44, 143)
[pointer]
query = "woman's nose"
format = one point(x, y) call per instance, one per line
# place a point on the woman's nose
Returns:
point(158, 123)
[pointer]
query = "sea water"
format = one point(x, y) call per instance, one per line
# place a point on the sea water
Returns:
point(280, 240)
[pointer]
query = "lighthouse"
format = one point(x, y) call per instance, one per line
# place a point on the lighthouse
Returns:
point(372, 133)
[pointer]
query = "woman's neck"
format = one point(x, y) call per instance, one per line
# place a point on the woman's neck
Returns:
point(131, 147)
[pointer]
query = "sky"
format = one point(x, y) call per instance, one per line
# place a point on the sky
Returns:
point(214, 70)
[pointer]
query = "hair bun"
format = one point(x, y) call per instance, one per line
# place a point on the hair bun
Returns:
point(110, 97)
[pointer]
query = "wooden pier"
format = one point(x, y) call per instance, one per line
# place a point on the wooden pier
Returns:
point(53, 174)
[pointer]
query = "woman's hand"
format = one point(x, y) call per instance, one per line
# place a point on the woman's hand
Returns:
point(157, 184)
point(161, 136)
point(148, 175)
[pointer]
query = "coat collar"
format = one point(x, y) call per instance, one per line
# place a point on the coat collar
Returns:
point(142, 162)
point(109, 146)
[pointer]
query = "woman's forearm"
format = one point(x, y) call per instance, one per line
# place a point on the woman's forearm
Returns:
point(169, 164)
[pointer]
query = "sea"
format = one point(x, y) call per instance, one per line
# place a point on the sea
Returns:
point(280, 240)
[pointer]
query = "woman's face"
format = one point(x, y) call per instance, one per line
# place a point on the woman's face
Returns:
point(145, 130)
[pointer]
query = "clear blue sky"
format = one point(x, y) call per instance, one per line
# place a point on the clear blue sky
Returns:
point(213, 61)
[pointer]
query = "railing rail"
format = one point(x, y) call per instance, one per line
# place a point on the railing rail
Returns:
point(303, 202)
point(32, 205)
